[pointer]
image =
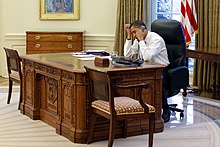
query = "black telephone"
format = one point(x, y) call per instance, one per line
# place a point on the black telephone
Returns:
point(122, 60)
point(98, 53)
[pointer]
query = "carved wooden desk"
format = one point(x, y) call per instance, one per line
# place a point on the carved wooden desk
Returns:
point(55, 91)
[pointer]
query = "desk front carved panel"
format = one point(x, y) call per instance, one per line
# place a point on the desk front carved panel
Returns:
point(29, 74)
point(51, 95)
point(29, 105)
point(74, 106)
point(67, 96)
point(46, 70)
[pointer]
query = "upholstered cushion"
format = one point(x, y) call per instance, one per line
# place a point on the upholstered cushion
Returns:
point(123, 105)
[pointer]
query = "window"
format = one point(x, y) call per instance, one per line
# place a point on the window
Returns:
point(165, 9)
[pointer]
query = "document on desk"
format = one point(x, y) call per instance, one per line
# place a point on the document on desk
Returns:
point(87, 58)
point(83, 56)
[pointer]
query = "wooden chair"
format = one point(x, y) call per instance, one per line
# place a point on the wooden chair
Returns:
point(14, 72)
point(106, 101)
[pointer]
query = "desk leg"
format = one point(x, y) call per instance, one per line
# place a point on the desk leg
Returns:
point(30, 103)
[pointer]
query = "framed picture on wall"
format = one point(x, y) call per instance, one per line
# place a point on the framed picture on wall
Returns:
point(59, 9)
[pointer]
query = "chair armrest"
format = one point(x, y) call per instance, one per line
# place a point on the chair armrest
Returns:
point(178, 69)
point(138, 85)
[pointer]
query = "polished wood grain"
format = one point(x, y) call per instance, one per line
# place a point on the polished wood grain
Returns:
point(53, 42)
point(202, 54)
point(55, 91)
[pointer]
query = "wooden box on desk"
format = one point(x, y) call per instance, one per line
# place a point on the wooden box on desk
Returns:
point(101, 61)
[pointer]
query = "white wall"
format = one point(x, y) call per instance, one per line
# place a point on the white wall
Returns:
point(97, 19)
point(1, 35)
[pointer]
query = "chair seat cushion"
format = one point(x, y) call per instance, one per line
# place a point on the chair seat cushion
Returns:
point(123, 106)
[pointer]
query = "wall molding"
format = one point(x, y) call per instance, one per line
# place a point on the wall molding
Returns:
point(105, 42)
point(92, 41)
point(99, 42)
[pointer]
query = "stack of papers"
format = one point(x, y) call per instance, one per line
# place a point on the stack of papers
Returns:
point(83, 56)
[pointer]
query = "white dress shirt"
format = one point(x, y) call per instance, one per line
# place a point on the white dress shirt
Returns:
point(151, 49)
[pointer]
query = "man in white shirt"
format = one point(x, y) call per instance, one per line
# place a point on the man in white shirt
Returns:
point(150, 47)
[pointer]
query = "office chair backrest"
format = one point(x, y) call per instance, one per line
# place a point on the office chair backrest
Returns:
point(13, 61)
point(172, 33)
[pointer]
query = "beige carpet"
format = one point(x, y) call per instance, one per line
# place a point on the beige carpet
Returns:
point(17, 130)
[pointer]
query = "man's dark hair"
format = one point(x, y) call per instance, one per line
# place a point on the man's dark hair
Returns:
point(137, 24)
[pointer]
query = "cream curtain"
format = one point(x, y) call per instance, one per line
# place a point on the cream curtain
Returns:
point(207, 74)
point(127, 12)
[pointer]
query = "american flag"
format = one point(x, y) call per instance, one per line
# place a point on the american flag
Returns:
point(189, 19)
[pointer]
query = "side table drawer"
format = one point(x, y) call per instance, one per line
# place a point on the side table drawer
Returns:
point(59, 46)
point(40, 37)
point(40, 45)
point(70, 46)
point(67, 37)
point(53, 42)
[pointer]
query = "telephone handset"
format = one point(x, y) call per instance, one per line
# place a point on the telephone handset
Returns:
point(143, 28)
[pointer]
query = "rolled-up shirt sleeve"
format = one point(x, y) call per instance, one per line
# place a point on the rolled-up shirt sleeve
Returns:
point(127, 48)
point(130, 49)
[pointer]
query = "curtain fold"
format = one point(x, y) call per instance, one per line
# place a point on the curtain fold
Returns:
point(207, 74)
point(127, 12)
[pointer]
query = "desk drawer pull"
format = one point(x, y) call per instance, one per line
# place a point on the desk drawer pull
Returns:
point(37, 37)
point(37, 46)
point(70, 37)
point(69, 46)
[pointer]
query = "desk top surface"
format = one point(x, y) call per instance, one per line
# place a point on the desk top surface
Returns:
point(70, 62)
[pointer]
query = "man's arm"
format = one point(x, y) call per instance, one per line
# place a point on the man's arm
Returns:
point(149, 51)
point(128, 42)
point(127, 48)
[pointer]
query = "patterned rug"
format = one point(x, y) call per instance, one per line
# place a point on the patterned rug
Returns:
point(199, 128)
